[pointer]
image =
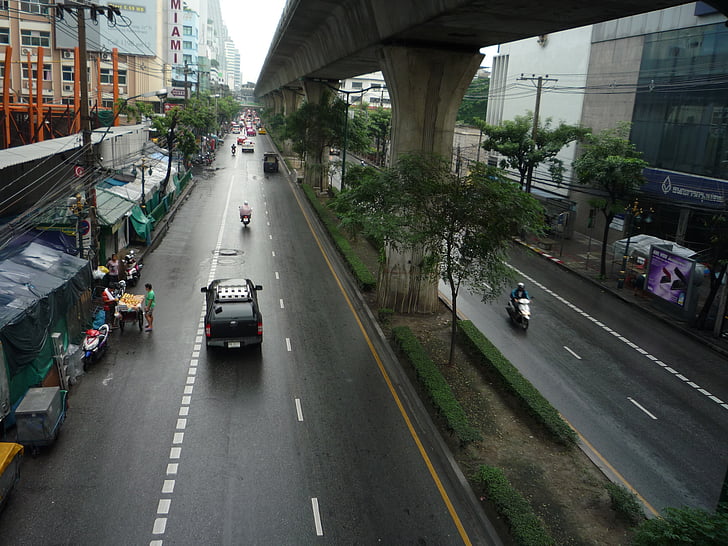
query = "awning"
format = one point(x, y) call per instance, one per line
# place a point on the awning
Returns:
point(111, 208)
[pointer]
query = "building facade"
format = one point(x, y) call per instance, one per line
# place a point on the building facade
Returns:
point(661, 71)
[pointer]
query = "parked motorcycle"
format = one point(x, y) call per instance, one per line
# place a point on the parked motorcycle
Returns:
point(133, 268)
point(94, 344)
point(520, 312)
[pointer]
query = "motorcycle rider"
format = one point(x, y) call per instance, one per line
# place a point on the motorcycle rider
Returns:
point(233, 148)
point(517, 293)
point(246, 210)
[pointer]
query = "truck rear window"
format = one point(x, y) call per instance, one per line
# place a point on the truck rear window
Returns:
point(235, 311)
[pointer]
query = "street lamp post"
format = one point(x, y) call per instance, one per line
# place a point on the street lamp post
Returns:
point(143, 167)
point(346, 123)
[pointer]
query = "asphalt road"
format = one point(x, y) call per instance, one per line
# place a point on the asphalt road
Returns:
point(645, 397)
point(316, 439)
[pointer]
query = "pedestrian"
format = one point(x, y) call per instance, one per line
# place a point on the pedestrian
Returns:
point(113, 266)
point(149, 303)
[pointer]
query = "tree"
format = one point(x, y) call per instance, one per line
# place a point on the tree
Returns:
point(515, 141)
point(715, 224)
point(613, 167)
point(380, 123)
point(463, 225)
point(475, 102)
point(165, 125)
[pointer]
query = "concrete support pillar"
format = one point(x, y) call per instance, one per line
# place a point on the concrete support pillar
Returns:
point(277, 97)
point(317, 162)
point(291, 101)
point(426, 87)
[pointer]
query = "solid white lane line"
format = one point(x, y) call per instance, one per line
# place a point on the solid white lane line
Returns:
point(317, 517)
point(641, 407)
point(618, 336)
point(299, 411)
point(573, 353)
point(288, 344)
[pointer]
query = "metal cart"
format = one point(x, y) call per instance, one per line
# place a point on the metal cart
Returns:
point(39, 417)
point(130, 309)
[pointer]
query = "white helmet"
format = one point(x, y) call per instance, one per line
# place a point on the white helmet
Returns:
point(245, 203)
point(521, 285)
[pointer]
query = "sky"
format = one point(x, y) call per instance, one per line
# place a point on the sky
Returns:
point(252, 23)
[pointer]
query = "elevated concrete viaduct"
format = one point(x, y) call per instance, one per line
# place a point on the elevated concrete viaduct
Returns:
point(428, 51)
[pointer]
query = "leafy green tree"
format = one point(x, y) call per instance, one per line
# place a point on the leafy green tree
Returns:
point(198, 115)
point(186, 144)
point(611, 165)
point(475, 102)
point(715, 226)
point(515, 141)
point(380, 123)
point(680, 526)
point(464, 225)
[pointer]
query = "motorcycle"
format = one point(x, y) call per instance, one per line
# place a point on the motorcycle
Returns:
point(94, 344)
point(233, 150)
point(245, 219)
point(133, 268)
point(520, 312)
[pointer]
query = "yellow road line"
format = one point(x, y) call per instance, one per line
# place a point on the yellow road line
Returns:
point(393, 392)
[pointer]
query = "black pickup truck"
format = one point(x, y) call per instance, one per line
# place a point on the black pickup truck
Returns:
point(233, 318)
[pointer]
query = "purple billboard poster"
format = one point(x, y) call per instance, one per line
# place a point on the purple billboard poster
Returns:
point(669, 275)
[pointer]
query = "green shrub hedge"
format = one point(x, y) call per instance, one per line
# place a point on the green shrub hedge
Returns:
point(525, 526)
point(364, 277)
point(533, 400)
point(435, 385)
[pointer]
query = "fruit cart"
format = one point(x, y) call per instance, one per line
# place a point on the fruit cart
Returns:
point(129, 309)
point(10, 456)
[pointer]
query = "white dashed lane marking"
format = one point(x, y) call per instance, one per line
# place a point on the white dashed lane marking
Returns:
point(626, 341)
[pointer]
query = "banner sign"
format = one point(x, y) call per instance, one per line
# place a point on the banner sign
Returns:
point(669, 275)
point(686, 188)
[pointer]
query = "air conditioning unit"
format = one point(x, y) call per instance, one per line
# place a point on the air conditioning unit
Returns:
point(26, 51)
point(67, 54)
point(68, 88)
point(122, 90)
point(104, 56)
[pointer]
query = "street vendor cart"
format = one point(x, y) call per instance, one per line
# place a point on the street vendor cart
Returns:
point(10, 457)
point(129, 309)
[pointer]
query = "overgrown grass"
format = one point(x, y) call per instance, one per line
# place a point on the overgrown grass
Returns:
point(435, 385)
point(540, 408)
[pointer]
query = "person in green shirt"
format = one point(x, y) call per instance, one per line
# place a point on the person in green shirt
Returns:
point(149, 303)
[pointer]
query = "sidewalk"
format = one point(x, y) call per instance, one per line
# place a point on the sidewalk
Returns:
point(582, 257)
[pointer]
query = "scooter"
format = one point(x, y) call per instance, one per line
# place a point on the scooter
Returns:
point(133, 268)
point(245, 219)
point(94, 345)
point(520, 312)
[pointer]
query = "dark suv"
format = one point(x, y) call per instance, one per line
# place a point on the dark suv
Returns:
point(233, 317)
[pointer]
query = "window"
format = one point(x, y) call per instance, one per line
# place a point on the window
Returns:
point(4, 35)
point(187, 45)
point(356, 85)
point(35, 38)
point(67, 101)
point(186, 31)
point(4, 4)
point(107, 103)
point(187, 59)
point(107, 76)
point(34, 6)
point(46, 72)
point(67, 73)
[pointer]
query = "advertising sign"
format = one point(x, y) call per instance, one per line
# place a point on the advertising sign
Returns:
point(669, 276)
point(686, 188)
point(132, 33)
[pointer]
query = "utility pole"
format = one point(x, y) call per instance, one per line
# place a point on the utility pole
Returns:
point(539, 86)
point(89, 158)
